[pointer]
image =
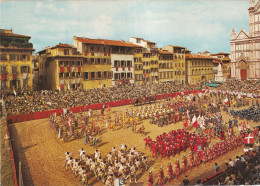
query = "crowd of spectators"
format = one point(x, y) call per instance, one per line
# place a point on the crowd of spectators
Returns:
point(249, 86)
point(243, 170)
point(37, 101)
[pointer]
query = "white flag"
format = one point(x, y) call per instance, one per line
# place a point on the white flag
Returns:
point(68, 87)
point(15, 93)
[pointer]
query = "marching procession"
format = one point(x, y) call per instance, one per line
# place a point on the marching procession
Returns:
point(196, 128)
point(204, 137)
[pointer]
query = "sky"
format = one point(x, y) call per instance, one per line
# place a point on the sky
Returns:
point(199, 25)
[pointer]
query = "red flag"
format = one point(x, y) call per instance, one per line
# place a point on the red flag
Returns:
point(186, 122)
point(61, 69)
point(123, 68)
point(255, 75)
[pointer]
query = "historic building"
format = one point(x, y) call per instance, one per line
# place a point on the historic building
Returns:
point(225, 61)
point(60, 67)
point(198, 68)
point(112, 61)
point(165, 65)
point(245, 48)
point(15, 61)
point(146, 61)
point(178, 53)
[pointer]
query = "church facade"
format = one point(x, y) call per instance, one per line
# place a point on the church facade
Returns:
point(245, 47)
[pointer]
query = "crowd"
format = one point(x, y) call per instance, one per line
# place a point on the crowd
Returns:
point(38, 101)
point(249, 86)
point(244, 170)
point(123, 163)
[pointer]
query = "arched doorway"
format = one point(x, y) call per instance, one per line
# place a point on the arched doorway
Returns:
point(243, 70)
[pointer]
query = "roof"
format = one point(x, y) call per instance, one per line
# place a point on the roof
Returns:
point(217, 61)
point(164, 52)
point(106, 42)
point(196, 56)
point(148, 41)
point(220, 53)
point(13, 35)
point(176, 46)
point(61, 45)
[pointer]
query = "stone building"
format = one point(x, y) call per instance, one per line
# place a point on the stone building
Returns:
point(245, 47)
point(15, 61)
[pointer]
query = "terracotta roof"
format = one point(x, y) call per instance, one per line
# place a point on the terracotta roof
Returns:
point(197, 56)
point(106, 42)
point(14, 35)
point(220, 53)
point(149, 41)
point(61, 45)
point(216, 61)
point(176, 46)
point(164, 52)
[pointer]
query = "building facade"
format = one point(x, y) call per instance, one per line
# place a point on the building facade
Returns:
point(178, 53)
point(60, 67)
point(117, 59)
point(198, 68)
point(245, 48)
point(225, 61)
point(15, 61)
point(165, 66)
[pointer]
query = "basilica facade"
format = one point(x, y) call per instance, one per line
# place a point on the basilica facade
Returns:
point(245, 47)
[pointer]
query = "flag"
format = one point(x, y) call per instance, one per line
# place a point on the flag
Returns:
point(69, 122)
point(226, 101)
point(186, 122)
point(249, 139)
point(14, 92)
point(68, 87)
point(59, 88)
point(194, 121)
point(255, 75)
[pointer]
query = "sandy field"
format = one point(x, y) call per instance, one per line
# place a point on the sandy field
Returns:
point(42, 154)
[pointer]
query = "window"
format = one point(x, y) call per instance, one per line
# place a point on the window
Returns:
point(129, 63)
point(104, 61)
point(3, 69)
point(24, 69)
point(99, 75)
point(116, 76)
point(61, 75)
point(25, 57)
point(61, 63)
point(92, 75)
point(66, 51)
point(129, 75)
point(14, 69)
point(67, 74)
point(105, 74)
point(13, 57)
point(116, 63)
point(3, 57)
point(92, 61)
point(122, 63)
point(91, 49)
point(86, 76)
point(98, 60)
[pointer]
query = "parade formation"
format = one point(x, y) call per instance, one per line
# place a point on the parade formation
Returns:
point(204, 135)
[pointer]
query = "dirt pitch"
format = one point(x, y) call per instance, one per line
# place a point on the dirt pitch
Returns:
point(42, 154)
